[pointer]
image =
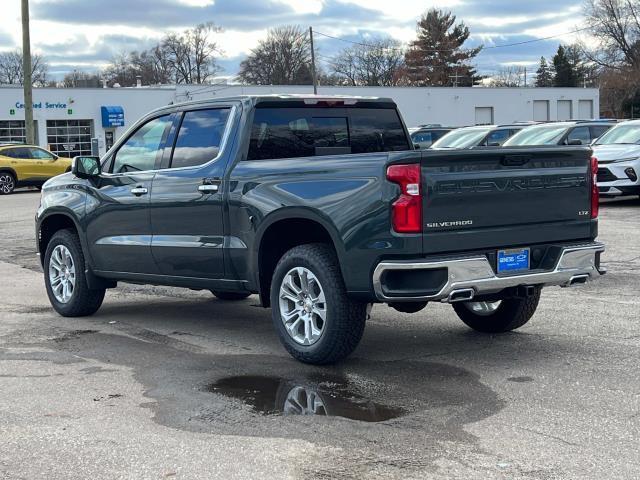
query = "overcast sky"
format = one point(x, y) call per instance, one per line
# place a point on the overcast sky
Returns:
point(85, 34)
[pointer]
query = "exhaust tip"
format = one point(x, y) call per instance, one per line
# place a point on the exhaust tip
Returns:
point(578, 279)
point(461, 295)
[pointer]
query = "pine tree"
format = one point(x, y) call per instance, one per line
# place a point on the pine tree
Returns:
point(544, 75)
point(436, 56)
point(565, 75)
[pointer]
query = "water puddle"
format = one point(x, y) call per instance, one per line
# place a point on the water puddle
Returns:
point(324, 396)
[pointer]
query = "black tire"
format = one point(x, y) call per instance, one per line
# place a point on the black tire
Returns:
point(511, 314)
point(7, 183)
point(345, 319)
point(83, 301)
point(230, 296)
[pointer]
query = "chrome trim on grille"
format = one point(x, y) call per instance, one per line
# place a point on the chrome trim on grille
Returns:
point(476, 273)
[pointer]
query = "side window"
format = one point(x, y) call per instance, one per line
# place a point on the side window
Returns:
point(497, 137)
point(598, 130)
point(438, 134)
point(423, 137)
point(376, 130)
point(199, 137)
point(22, 153)
point(579, 133)
point(9, 152)
point(40, 154)
point(140, 150)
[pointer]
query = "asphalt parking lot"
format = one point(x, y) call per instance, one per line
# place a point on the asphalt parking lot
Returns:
point(170, 383)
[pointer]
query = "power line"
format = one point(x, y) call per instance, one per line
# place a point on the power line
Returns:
point(492, 47)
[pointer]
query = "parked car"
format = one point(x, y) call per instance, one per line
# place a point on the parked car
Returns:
point(322, 207)
point(581, 132)
point(618, 154)
point(424, 137)
point(28, 165)
point(478, 136)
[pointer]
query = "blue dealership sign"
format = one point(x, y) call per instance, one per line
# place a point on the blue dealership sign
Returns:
point(112, 116)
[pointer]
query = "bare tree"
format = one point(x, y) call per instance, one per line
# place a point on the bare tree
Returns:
point(378, 63)
point(188, 57)
point(78, 79)
point(283, 58)
point(508, 76)
point(616, 26)
point(191, 56)
point(11, 71)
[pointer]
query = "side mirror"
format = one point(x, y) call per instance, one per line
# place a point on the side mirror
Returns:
point(416, 146)
point(575, 141)
point(493, 144)
point(85, 167)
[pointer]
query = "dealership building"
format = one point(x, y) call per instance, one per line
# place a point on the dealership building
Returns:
point(81, 121)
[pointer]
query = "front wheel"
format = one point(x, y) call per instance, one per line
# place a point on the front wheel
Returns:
point(315, 319)
point(65, 278)
point(498, 317)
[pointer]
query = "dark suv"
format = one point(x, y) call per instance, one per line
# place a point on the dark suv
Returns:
point(426, 136)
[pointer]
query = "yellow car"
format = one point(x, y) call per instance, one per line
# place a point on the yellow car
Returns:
point(28, 165)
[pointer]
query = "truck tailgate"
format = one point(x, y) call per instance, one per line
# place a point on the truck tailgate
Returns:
point(489, 198)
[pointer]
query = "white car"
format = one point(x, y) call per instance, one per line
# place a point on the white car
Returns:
point(618, 154)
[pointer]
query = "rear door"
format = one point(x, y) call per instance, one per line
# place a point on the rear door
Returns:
point(508, 197)
point(188, 197)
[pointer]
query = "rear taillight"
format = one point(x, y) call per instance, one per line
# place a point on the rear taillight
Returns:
point(407, 209)
point(595, 193)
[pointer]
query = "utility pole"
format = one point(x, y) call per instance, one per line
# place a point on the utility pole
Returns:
point(26, 78)
point(313, 63)
point(525, 77)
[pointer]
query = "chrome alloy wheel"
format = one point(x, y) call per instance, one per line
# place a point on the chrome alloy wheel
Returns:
point(303, 401)
point(483, 309)
point(7, 183)
point(302, 306)
point(62, 274)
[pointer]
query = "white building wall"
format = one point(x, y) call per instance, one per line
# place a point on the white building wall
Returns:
point(447, 106)
point(85, 105)
point(422, 105)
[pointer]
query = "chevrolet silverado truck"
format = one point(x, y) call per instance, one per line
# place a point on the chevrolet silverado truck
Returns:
point(322, 207)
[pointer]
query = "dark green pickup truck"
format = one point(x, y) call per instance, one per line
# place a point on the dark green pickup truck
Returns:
point(322, 207)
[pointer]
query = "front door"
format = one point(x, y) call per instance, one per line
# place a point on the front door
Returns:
point(187, 198)
point(118, 218)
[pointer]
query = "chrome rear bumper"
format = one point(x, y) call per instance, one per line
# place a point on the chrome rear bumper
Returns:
point(472, 276)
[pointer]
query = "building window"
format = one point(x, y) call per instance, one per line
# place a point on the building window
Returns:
point(70, 138)
point(13, 131)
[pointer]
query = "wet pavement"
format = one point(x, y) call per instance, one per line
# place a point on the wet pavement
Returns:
point(170, 383)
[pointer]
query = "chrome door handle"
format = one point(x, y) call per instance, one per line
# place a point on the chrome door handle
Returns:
point(137, 191)
point(208, 188)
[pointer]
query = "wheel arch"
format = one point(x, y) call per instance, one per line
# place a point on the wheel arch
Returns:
point(271, 242)
point(51, 223)
point(11, 171)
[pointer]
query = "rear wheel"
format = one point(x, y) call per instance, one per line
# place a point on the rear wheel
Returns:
point(501, 316)
point(7, 183)
point(65, 278)
point(315, 319)
point(230, 296)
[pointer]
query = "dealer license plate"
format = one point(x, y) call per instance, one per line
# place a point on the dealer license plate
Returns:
point(514, 260)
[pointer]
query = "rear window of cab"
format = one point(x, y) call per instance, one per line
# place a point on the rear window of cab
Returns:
point(306, 132)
